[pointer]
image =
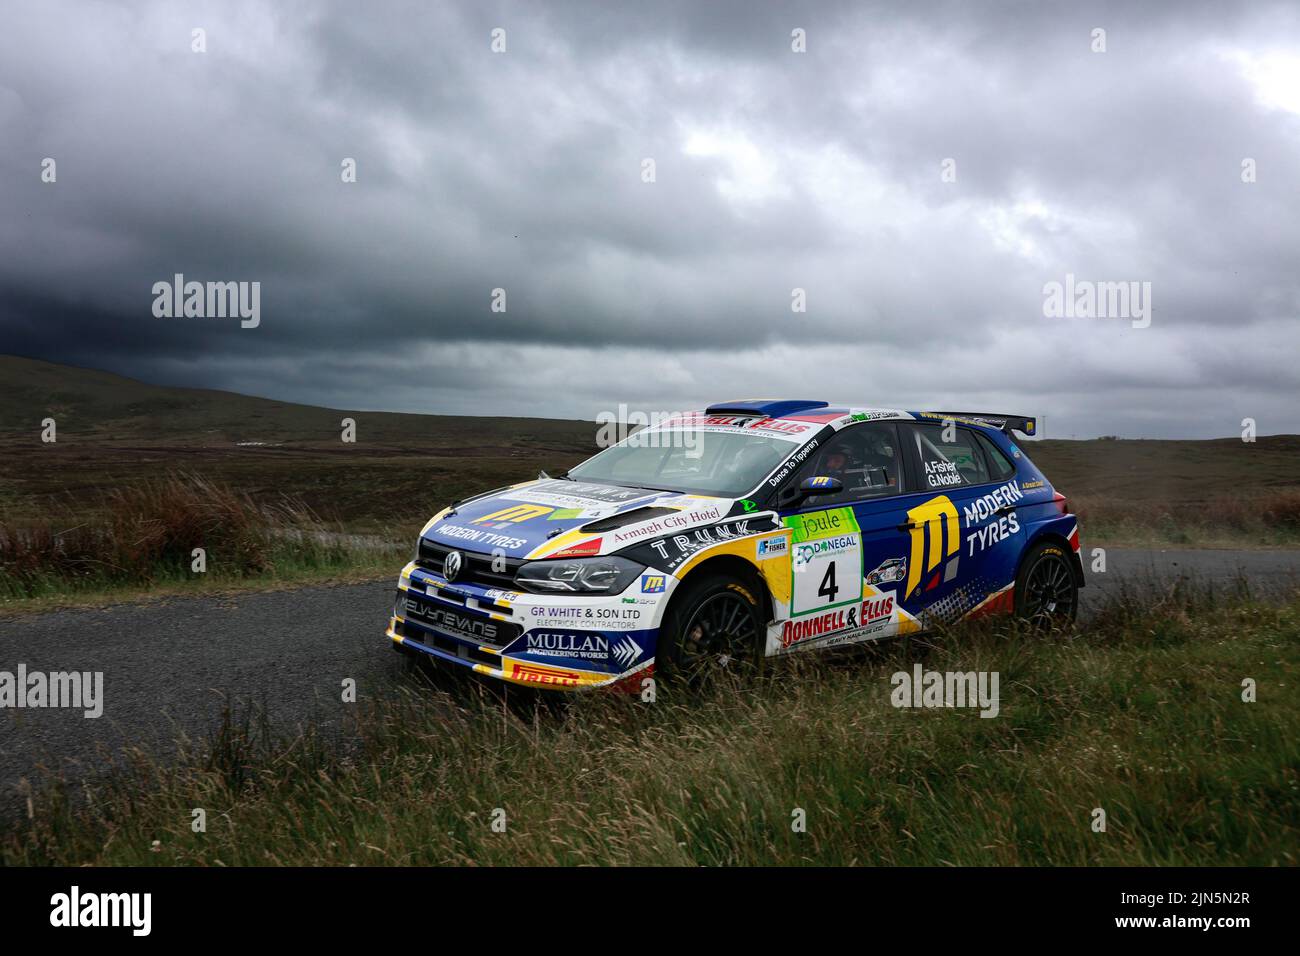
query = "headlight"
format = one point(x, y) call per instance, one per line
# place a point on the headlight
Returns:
point(591, 575)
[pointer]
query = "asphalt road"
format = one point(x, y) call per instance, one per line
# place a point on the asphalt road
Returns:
point(169, 666)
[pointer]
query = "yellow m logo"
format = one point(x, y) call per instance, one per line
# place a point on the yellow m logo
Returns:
point(938, 518)
point(515, 513)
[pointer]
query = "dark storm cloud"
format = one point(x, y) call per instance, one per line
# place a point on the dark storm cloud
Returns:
point(775, 171)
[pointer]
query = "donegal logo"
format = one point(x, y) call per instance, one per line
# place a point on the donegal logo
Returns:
point(514, 514)
point(938, 519)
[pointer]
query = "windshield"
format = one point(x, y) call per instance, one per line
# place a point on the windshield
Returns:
point(691, 461)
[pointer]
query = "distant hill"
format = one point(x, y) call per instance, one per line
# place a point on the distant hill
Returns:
point(113, 428)
point(1170, 471)
point(103, 407)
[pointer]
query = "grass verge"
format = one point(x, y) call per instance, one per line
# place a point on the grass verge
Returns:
point(1139, 714)
point(179, 533)
point(1257, 520)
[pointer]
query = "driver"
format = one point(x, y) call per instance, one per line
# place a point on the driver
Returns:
point(838, 461)
point(859, 470)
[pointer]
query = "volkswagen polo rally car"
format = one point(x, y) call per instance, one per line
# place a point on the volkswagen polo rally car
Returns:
point(748, 530)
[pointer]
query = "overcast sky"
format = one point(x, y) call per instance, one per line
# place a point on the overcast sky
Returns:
point(774, 170)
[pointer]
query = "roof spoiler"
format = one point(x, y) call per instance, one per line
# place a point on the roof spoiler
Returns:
point(1008, 423)
point(765, 408)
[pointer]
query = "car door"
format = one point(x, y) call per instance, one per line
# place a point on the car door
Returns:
point(848, 552)
point(962, 526)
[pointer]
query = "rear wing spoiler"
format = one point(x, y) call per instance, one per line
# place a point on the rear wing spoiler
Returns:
point(1007, 423)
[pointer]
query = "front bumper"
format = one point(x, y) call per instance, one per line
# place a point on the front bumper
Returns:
point(557, 642)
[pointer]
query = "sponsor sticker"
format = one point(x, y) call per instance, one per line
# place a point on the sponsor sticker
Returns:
point(846, 623)
point(942, 474)
point(515, 514)
point(774, 427)
point(591, 499)
point(791, 463)
point(826, 572)
point(822, 524)
point(888, 571)
point(983, 508)
point(875, 414)
point(774, 547)
point(668, 524)
point(541, 674)
point(584, 549)
point(478, 536)
point(1000, 529)
point(625, 652)
point(653, 583)
point(672, 551)
point(560, 644)
point(453, 622)
point(584, 618)
point(936, 520)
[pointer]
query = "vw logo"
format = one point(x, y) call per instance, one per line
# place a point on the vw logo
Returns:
point(451, 565)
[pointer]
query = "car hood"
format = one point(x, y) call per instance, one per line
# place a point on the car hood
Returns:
point(555, 517)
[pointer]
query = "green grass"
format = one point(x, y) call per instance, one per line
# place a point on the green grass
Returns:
point(1139, 714)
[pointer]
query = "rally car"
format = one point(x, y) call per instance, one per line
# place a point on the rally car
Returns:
point(747, 530)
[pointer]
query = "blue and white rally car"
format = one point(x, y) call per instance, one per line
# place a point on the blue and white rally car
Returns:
point(750, 529)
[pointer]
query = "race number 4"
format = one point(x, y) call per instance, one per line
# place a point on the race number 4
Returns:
point(827, 573)
point(828, 590)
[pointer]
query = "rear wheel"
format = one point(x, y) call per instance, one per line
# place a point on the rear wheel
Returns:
point(1047, 594)
point(715, 625)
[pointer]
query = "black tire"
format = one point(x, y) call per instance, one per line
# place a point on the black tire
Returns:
point(1047, 594)
point(714, 625)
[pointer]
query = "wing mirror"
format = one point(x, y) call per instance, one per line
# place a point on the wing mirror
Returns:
point(810, 486)
point(820, 485)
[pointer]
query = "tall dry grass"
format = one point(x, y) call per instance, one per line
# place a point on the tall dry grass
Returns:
point(148, 532)
point(1260, 519)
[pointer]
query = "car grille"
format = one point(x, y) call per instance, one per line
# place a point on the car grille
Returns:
point(475, 569)
point(458, 622)
point(453, 648)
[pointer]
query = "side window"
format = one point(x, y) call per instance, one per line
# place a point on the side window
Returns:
point(948, 464)
point(1000, 466)
point(865, 458)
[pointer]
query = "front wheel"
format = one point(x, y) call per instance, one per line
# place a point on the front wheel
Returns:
point(1047, 594)
point(715, 625)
